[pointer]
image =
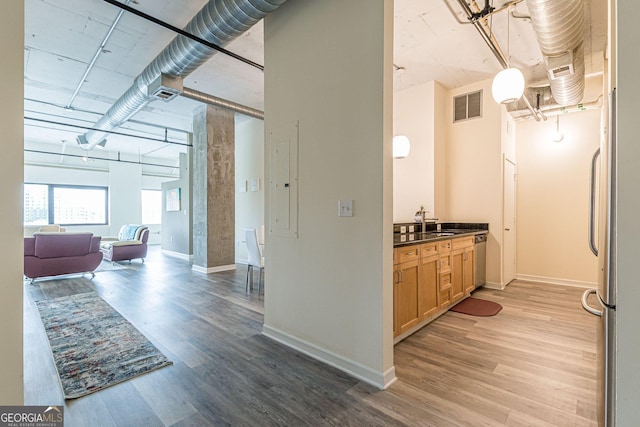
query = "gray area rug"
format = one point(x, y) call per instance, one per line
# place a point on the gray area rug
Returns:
point(109, 266)
point(93, 346)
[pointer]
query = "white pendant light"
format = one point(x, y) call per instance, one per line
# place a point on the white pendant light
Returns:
point(401, 147)
point(508, 86)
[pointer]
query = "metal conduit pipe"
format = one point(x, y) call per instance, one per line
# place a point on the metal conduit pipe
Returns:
point(95, 56)
point(493, 46)
point(223, 103)
point(554, 111)
point(219, 21)
point(559, 29)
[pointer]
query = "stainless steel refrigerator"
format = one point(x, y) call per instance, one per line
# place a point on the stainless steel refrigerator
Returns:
point(602, 241)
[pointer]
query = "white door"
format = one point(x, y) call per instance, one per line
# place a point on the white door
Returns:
point(509, 215)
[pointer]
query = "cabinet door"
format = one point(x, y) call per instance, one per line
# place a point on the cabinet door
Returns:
point(428, 287)
point(457, 278)
point(468, 270)
point(405, 296)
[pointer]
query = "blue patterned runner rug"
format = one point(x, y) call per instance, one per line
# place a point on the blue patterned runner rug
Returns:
point(93, 346)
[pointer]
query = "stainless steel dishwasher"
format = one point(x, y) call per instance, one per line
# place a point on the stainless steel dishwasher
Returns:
point(480, 261)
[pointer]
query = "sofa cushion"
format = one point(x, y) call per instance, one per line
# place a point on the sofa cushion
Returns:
point(139, 232)
point(128, 232)
point(56, 245)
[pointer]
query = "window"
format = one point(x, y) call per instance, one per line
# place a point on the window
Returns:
point(151, 206)
point(65, 204)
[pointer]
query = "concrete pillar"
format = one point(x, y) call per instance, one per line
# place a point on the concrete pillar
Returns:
point(213, 190)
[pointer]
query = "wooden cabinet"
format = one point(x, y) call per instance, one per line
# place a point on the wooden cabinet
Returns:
point(405, 296)
point(457, 265)
point(444, 283)
point(429, 277)
point(462, 267)
point(428, 286)
point(468, 270)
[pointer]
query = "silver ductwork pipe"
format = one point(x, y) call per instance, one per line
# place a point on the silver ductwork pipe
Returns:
point(559, 29)
point(219, 22)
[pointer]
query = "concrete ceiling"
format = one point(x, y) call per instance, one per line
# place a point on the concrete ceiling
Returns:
point(62, 36)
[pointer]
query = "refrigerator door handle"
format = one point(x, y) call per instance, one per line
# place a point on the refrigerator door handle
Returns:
point(592, 204)
point(586, 305)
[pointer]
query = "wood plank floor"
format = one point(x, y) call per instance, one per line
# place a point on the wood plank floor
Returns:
point(531, 365)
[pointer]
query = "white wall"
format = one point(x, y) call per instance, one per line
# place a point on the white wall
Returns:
point(441, 128)
point(249, 167)
point(414, 176)
point(11, 170)
point(329, 290)
point(553, 199)
point(628, 206)
point(474, 172)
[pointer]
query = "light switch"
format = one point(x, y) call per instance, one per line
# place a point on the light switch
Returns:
point(345, 207)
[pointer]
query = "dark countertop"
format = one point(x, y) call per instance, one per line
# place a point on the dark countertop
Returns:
point(432, 236)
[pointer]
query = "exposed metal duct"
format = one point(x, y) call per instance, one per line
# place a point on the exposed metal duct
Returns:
point(559, 29)
point(219, 21)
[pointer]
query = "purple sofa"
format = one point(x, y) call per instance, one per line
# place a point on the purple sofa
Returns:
point(53, 254)
point(130, 244)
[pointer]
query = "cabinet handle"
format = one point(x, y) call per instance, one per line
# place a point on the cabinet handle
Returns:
point(400, 276)
point(465, 256)
point(438, 265)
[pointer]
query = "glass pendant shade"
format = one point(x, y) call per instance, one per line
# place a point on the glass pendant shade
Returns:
point(401, 147)
point(508, 86)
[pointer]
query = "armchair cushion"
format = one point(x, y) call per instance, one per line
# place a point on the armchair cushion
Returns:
point(128, 232)
point(122, 243)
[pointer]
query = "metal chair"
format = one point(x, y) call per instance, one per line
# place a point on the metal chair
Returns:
point(255, 258)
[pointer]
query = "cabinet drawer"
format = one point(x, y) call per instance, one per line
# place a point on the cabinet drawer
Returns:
point(407, 253)
point(445, 298)
point(429, 249)
point(444, 246)
point(445, 263)
point(445, 282)
point(462, 242)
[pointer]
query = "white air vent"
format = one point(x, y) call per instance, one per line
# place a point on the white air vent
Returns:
point(560, 66)
point(467, 106)
point(165, 87)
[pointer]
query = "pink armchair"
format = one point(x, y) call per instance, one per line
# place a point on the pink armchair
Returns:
point(131, 243)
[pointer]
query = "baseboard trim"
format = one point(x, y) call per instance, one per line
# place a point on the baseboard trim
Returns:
point(381, 380)
point(217, 269)
point(180, 255)
point(494, 285)
point(556, 281)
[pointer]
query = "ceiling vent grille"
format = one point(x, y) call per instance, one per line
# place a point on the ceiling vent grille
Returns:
point(467, 106)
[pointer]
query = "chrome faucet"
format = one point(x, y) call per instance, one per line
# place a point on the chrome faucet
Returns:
point(421, 216)
point(423, 219)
